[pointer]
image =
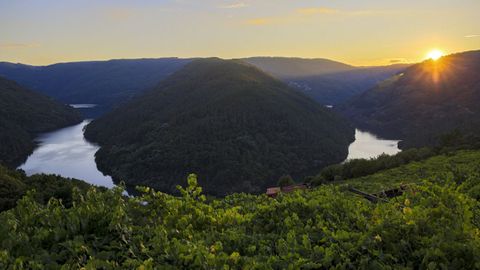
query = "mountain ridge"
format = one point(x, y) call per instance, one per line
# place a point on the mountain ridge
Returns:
point(109, 83)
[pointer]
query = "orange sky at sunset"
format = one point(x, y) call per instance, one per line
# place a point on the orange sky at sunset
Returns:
point(369, 32)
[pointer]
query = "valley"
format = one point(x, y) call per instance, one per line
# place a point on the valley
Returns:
point(241, 163)
point(239, 135)
point(173, 103)
point(67, 153)
point(236, 126)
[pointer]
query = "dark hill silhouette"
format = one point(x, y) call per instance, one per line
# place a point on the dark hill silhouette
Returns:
point(100, 82)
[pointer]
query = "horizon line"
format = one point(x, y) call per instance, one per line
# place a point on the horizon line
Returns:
point(205, 57)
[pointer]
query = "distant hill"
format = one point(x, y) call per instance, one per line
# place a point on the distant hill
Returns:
point(327, 82)
point(23, 114)
point(108, 83)
point(237, 127)
point(423, 103)
point(99, 82)
point(337, 88)
point(291, 67)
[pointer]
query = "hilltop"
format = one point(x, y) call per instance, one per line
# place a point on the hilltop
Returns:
point(236, 126)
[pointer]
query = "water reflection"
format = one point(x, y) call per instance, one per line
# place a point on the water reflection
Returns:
point(83, 106)
point(367, 145)
point(67, 153)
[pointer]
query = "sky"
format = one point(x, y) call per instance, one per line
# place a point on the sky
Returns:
point(357, 32)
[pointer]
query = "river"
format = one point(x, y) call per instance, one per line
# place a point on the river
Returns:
point(367, 145)
point(67, 153)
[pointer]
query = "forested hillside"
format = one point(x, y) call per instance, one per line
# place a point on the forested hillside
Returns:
point(327, 82)
point(425, 102)
point(458, 165)
point(105, 83)
point(237, 127)
point(433, 225)
point(15, 184)
point(23, 114)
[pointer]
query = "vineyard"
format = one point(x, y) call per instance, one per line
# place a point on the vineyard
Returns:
point(433, 225)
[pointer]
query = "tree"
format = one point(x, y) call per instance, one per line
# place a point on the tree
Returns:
point(285, 180)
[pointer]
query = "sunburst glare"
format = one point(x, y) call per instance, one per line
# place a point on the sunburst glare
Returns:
point(435, 54)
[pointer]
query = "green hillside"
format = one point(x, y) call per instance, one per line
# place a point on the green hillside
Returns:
point(433, 225)
point(23, 114)
point(15, 184)
point(237, 127)
point(437, 169)
point(427, 101)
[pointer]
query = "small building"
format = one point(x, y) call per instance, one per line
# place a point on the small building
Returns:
point(273, 191)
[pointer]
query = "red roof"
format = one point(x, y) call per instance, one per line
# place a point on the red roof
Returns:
point(273, 191)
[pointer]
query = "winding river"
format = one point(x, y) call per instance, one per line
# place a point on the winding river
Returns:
point(67, 153)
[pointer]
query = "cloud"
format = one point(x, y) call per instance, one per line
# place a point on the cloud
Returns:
point(18, 45)
point(472, 36)
point(234, 5)
point(316, 10)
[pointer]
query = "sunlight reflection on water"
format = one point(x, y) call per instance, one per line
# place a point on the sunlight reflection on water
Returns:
point(367, 145)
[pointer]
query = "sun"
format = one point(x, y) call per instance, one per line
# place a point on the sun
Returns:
point(434, 54)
